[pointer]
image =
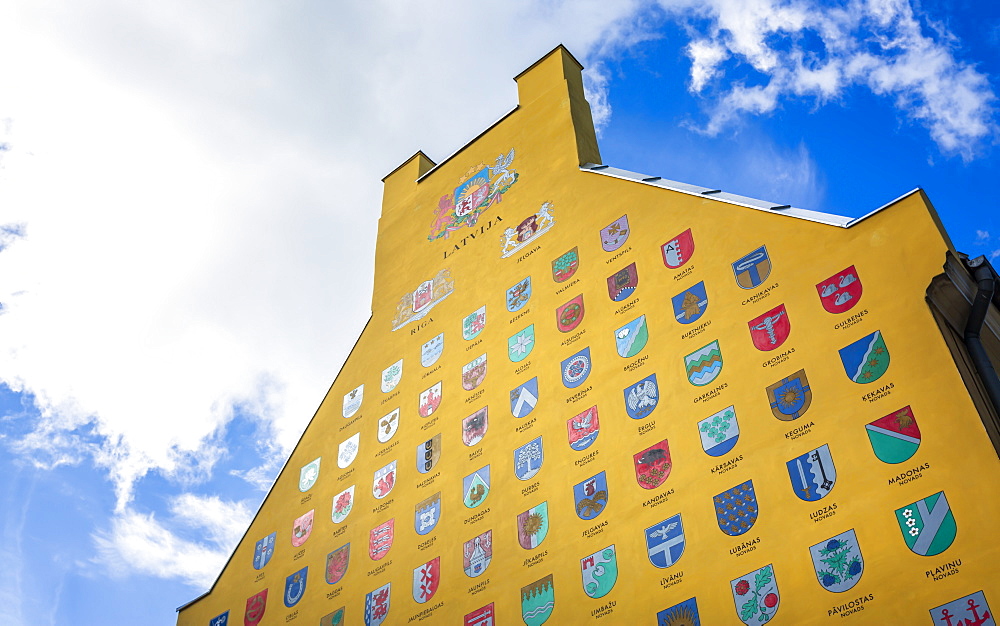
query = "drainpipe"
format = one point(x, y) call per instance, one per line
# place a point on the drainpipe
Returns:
point(986, 281)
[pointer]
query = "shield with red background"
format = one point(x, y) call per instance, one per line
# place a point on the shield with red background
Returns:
point(255, 608)
point(380, 539)
point(771, 329)
point(841, 291)
point(652, 465)
point(569, 315)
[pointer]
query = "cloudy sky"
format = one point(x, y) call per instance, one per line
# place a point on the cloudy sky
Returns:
point(189, 194)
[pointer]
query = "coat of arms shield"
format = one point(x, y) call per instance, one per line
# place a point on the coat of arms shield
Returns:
point(615, 234)
point(352, 400)
point(531, 228)
point(563, 267)
point(569, 315)
point(895, 437)
point(838, 562)
point(538, 601)
point(533, 526)
point(263, 551)
point(343, 504)
point(308, 475)
point(756, 596)
point(813, 474)
point(384, 480)
point(790, 397)
point(301, 528)
point(528, 459)
point(380, 539)
point(474, 373)
point(840, 292)
point(665, 542)
point(477, 554)
point(770, 330)
point(680, 614)
point(704, 364)
point(336, 563)
point(583, 429)
point(387, 426)
point(295, 587)
point(928, 525)
point(430, 399)
point(474, 427)
point(524, 397)
point(866, 359)
point(480, 617)
point(590, 497)
point(719, 432)
point(652, 465)
point(599, 571)
point(431, 351)
point(347, 451)
point(631, 338)
point(678, 250)
point(426, 514)
point(428, 454)
point(971, 609)
point(642, 397)
point(576, 369)
point(391, 376)
point(753, 269)
point(518, 295)
point(426, 579)
point(476, 486)
point(336, 618)
point(520, 344)
point(474, 323)
point(377, 605)
point(256, 605)
point(221, 619)
point(736, 509)
point(623, 283)
point(690, 304)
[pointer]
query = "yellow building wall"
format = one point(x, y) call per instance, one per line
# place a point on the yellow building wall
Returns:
point(895, 253)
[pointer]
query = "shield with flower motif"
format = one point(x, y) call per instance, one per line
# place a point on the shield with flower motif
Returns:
point(736, 509)
point(474, 323)
point(582, 430)
point(600, 571)
point(591, 496)
point(528, 459)
point(426, 579)
point(538, 600)
point(622, 283)
point(614, 235)
point(474, 373)
point(840, 292)
point(576, 369)
point(866, 359)
point(384, 480)
point(770, 330)
point(335, 618)
point(520, 344)
point(263, 551)
point(427, 513)
point(719, 432)
point(352, 400)
point(474, 427)
point(302, 527)
point(756, 596)
point(295, 587)
point(678, 250)
point(431, 351)
point(428, 454)
point(476, 487)
point(377, 605)
point(533, 526)
point(928, 525)
point(477, 554)
point(387, 426)
point(569, 315)
point(336, 564)
point(308, 475)
point(565, 266)
point(430, 399)
point(518, 295)
point(790, 397)
point(347, 451)
point(642, 397)
point(652, 465)
point(838, 562)
point(895, 437)
point(690, 304)
point(391, 376)
point(480, 617)
point(380, 539)
point(631, 338)
point(343, 504)
point(256, 605)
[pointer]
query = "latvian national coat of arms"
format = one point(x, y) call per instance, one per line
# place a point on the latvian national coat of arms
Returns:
point(477, 191)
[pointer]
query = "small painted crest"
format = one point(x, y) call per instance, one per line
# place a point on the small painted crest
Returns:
point(591, 496)
point(336, 563)
point(518, 295)
point(263, 551)
point(895, 437)
point(770, 330)
point(352, 400)
point(642, 397)
point(615, 234)
point(631, 338)
point(335, 618)
point(704, 364)
point(387, 426)
point(481, 617)
point(476, 486)
point(426, 514)
point(428, 454)
point(753, 269)
point(520, 345)
point(347, 451)
point(719, 432)
point(380, 539)
point(415, 305)
point(928, 525)
point(599, 571)
point(622, 283)
point(533, 526)
point(477, 554)
point(474, 427)
point(652, 465)
point(343, 504)
point(665, 542)
point(682, 614)
point(736, 509)
point(431, 351)
point(474, 323)
point(302, 527)
point(220, 620)
point(569, 315)
point(524, 397)
point(690, 304)
point(813, 474)
point(391, 376)
point(430, 400)
point(970, 610)
point(530, 229)
point(866, 359)
point(678, 250)
point(790, 397)
point(756, 596)
point(426, 579)
point(256, 605)
point(377, 605)
point(576, 369)
point(474, 373)
point(538, 600)
point(479, 189)
point(838, 562)
point(384, 480)
point(563, 267)
point(295, 587)
point(841, 291)
point(582, 429)
point(528, 459)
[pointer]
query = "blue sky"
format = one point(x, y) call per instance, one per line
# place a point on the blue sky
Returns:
point(177, 289)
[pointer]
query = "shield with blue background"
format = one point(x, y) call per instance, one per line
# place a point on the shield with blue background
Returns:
point(704, 364)
point(615, 234)
point(866, 359)
point(591, 496)
point(533, 526)
point(583, 429)
point(528, 459)
point(753, 269)
point(631, 338)
point(838, 562)
point(477, 554)
point(220, 620)
point(970, 609)
point(538, 600)
point(377, 605)
point(719, 432)
point(681, 614)
point(790, 397)
point(599, 571)
point(426, 514)
point(518, 295)
point(895, 437)
point(476, 486)
point(756, 596)
point(665, 542)
point(736, 509)
point(928, 525)
point(690, 304)
point(623, 283)
point(576, 369)
point(263, 551)
point(524, 397)
point(295, 587)
point(642, 397)
point(813, 474)
point(520, 344)
point(431, 351)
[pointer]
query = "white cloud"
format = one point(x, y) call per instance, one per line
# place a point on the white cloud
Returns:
point(982, 236)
